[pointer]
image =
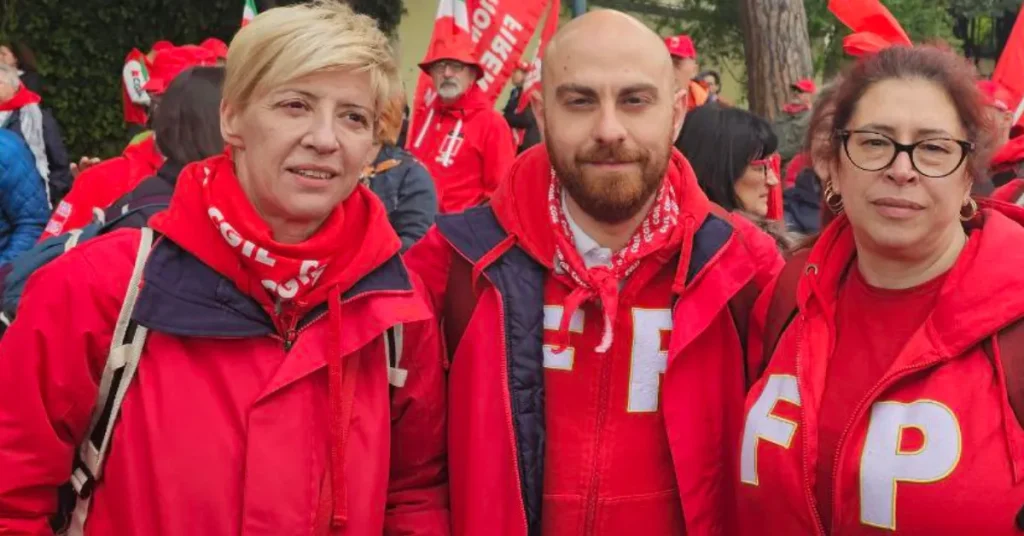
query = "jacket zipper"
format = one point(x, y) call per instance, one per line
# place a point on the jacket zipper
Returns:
point(884, 382)
point(595, 473)
point(808, 491)
point(504, 379)
point(292, 334)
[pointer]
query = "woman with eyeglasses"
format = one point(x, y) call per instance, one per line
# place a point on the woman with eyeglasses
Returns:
point(731, 151)
point(888, 403)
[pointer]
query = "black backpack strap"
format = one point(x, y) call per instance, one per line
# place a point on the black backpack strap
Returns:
point(782, 309)
point(472, 234)
point(1010, 340)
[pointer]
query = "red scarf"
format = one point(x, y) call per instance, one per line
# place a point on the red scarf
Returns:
point(211, 218)
point(602, 282)
point(23, 97)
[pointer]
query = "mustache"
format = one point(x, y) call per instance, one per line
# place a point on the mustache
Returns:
point(619, 154)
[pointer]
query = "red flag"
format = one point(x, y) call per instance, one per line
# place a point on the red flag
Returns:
point(532, 82)
point(452, 16)
point(1009, 71)
point(874, 27)
point(500, 31)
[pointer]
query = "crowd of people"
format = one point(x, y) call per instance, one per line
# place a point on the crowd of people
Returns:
point(620, 305)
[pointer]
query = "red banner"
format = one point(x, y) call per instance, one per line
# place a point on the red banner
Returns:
point(532, 82)
point(1010, 69)
point(500, 29)
point(873, 26)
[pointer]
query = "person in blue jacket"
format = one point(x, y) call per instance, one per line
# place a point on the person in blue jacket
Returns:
point(23, 206)
point(401, 182)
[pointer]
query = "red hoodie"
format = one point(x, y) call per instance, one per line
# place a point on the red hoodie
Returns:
point(102, 184)
point(965, 477)
point(467, 146)
point(628, 450)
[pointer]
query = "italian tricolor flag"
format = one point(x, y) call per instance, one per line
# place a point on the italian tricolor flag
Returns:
point(249, 12)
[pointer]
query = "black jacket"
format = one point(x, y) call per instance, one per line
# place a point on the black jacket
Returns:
point(802, 204)
point(524, 120)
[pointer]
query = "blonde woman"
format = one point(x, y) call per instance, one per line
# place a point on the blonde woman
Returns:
point(271, 396)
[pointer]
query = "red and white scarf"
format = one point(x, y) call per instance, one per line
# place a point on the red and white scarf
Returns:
point(602, 282)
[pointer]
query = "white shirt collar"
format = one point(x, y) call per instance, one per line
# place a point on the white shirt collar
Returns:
point(591, 252)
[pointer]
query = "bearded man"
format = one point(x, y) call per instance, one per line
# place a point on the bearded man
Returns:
point(592, 312)
point(465, 144)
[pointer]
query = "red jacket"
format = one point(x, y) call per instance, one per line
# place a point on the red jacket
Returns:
point(102, 184)
point(222, 430)
point(1010, 192)
point(497, 409)
point(967, 478)
point(467, 146)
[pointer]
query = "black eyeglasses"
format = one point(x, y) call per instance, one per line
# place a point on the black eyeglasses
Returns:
point(441, 66)
point(934, 157)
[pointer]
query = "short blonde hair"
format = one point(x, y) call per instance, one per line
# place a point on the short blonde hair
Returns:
point(286, 43)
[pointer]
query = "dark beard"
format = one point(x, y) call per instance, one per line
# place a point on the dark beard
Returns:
point(614, 197)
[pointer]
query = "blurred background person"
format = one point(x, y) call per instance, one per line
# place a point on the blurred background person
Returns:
point(731, 152)
point(18, 55)
point(399, 180)
point(23, 207)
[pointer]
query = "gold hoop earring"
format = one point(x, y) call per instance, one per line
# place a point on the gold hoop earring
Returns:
point(833, 199)
point(972, 209)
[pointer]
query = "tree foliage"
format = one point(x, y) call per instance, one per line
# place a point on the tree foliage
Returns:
point(81, 46)
point(715, 24)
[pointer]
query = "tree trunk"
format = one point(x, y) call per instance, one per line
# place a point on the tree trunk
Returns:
point(778, 51)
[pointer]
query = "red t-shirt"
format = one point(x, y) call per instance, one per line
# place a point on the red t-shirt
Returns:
point(872, 327)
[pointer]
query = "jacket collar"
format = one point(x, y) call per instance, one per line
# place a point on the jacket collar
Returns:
point(182, 296)
point(979, 297)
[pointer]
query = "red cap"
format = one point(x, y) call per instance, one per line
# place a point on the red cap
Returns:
point(456, 46)
point(216, 46)
point(681, 46)
point(161, 45)
point(995, 95)
point(805, 85)
point(171, 62)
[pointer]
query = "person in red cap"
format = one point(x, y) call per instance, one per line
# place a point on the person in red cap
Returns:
point(791, 124)
point(465, 144)
point(99, 186)
point(524, 125)
point(1006, 165)
point(684, 63)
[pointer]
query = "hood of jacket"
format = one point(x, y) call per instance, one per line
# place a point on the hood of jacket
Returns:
point(981, 292)
point(520, 203)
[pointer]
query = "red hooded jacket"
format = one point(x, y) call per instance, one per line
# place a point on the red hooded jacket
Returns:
point(102, 184)
point(500, 412)
point(226, 428)
point(467, 146)
point(967, 477)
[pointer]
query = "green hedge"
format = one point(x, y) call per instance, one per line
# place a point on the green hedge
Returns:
point(81, 45)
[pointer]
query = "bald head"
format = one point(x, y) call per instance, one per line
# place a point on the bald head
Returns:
point(608, 111)
point(594, 31)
